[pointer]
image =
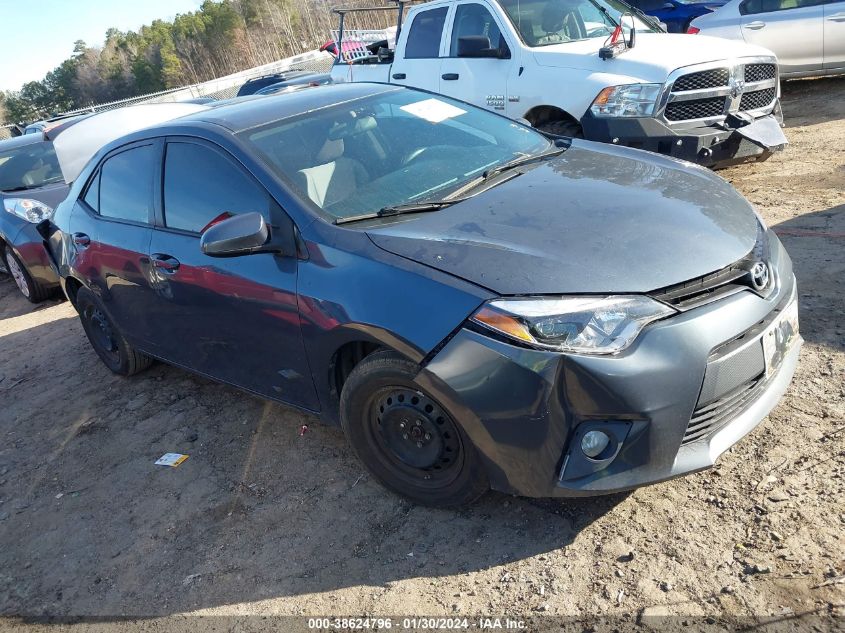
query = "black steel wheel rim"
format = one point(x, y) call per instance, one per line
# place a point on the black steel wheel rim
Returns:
point(102, 333)
point(418, 441)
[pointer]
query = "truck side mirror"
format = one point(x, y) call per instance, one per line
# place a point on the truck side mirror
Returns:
point(477, 46)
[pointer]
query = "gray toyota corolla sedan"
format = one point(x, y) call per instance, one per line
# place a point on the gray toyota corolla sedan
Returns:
point(477, 305)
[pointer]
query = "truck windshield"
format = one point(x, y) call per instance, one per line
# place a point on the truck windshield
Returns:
point(393, 148)
point(547, 22)
point(28, 167)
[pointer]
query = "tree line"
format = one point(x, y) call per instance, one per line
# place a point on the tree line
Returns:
point(222, 37)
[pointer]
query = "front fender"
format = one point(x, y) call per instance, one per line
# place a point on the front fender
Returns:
point(349, 290)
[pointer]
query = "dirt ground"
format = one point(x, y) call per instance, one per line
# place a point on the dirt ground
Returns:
point(265, 520)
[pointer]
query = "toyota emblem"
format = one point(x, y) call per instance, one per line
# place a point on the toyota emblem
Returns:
point(759, 276)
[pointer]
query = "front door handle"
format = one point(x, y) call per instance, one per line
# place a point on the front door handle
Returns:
point(837, 17)
point(450, 76)
point(755, 26)
point(400, 76)
point(165, 263)
point(80, 239)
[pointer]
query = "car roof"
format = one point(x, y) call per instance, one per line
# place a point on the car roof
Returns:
point(21, 141)
point(247, 114)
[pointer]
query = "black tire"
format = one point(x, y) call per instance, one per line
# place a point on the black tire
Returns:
point(434, 463)
point(110, 345)
point(31, 290)
point(562, 127)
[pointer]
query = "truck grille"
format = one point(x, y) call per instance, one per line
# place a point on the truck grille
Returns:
point(703, 79)
point(696, 109)
point(759, 72)
point(712, 93)
point(757, 99)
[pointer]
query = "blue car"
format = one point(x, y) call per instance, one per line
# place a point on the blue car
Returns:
point(477, 304)
point(676, 14)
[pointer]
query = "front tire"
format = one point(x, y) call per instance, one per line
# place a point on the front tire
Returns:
point(562, 127)
point(405, 438)
point(32, 291)
point(118, 355)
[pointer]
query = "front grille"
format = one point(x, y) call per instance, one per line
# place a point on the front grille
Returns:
point(709, 418)
point(695, 109)
point(759, 72)
point(704, 79)
point(757, 99)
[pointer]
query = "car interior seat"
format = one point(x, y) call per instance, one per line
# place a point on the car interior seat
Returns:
point(334, 177)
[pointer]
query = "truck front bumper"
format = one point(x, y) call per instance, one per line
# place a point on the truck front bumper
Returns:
point(713, 145)
point(526, 410)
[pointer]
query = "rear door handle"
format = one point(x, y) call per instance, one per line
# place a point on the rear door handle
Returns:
point(837, 17)
point(80, 239)
point(400, 76)
point(450, 76)
point(755, 26)
point(165, 263)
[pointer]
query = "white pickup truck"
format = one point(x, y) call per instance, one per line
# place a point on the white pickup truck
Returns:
point(592, 68)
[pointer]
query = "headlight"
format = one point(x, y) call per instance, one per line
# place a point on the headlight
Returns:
point(30, 210)
point(583, 325)
point(630, 100)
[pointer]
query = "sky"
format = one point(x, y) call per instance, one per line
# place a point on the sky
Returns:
point(39, 34)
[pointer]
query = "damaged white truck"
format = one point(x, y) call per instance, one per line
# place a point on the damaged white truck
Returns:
point(596, 69)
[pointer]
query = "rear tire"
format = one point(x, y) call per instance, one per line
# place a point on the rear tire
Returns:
point(32, 291)
point(408, 441)
point(562, 127)
point(118, 355)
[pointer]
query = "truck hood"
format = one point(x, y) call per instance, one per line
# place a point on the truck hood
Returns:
point(598, 219)
point(654, 56)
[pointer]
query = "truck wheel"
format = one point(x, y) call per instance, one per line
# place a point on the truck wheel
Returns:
point(562, 127)
point(30, 289)
point(407, 440)
point(118, 355)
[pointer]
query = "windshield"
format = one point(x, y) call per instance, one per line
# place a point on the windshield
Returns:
point(390, 149)
point(29, 166)
point(547, 22)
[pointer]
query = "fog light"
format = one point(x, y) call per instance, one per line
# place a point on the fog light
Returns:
point(594, 442)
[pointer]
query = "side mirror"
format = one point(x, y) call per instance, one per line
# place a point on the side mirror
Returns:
point(239, 235)
point(477, 46)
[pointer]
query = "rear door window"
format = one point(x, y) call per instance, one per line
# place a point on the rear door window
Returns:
point(752, 7)
point(126, 185)
point(202, 187)
point(425, 34)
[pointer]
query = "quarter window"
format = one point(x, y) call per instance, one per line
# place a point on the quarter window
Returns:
point(126, 185)
point(752, 7)
point(425, 34)
point(202, 187)
point(92, 195)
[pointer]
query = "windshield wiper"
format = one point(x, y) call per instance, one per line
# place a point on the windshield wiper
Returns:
point(21, 188)
point(523, 160)
point(402, 209)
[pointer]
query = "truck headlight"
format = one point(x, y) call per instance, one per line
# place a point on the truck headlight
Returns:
point(29, 210)
point(632, 100)
point(583, 325)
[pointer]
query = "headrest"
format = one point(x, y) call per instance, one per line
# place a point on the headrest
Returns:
point(331, 151)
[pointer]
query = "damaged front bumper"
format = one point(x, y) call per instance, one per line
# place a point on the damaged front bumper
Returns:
point(739, 138)
point(526, 410)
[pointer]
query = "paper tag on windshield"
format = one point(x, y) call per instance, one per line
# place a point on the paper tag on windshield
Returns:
point(433, 110)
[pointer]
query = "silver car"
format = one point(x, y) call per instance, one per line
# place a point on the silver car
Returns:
point(808, 36)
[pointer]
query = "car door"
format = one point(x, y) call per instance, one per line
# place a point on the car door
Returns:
point(420, 42)
point(482, 81)
point(793, 29)
point(111, 227)
point(834, 35)
point(234, 319)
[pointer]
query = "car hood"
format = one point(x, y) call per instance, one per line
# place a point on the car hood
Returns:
point(51, 195)
point(598, 219)
point(654, 56)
